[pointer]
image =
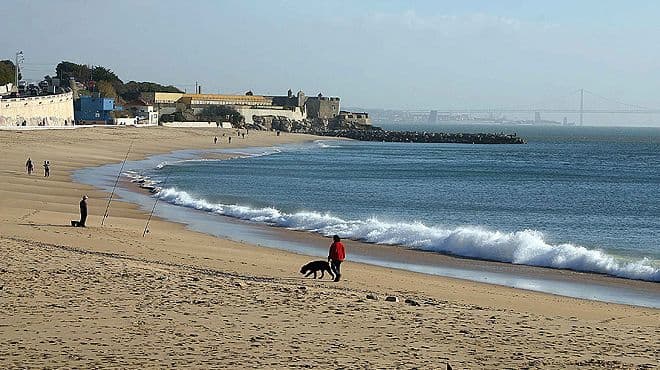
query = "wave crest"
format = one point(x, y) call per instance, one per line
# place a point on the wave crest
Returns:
point(325, 144)
point(525, 247)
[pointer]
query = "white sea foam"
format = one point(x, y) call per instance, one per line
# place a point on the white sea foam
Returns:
point(525, 247)
point(325, 144)
point(262, 152)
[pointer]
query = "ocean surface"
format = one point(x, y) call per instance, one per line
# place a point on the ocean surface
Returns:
point(579, 198)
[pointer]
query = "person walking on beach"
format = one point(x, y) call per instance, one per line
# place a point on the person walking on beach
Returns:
point(336, 256)
point(215, 140)
point(230, 140)
point(83, 211)
point(46, 169)
point(29, 166)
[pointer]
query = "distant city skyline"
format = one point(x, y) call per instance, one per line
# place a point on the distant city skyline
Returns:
point(373, 54)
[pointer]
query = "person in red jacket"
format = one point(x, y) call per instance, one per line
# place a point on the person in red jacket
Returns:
point(336, 256)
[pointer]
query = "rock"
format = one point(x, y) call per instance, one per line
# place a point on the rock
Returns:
point(411, 302)
point(392, 299)
point(378, 134)
point(372, 296)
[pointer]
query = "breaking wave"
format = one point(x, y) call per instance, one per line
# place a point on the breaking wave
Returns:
point(246, 152)
point(525, 247)
point(325, 144)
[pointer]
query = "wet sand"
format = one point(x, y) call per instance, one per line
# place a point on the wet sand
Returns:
point(107, 297)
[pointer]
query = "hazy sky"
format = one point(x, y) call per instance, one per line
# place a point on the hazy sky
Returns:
point(374, 54)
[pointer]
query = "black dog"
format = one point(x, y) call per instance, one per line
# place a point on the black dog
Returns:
point(316, 266)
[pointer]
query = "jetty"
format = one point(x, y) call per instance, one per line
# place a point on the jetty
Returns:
point(424, 137)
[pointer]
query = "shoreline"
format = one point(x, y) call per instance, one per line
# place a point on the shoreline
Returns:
point(563, 282)
point(142, 307)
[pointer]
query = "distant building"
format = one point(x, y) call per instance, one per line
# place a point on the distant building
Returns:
point(143, 112)
point(201, 101)
point(93, 109)
point(290, 100)
point(361, 118)
point(433, 117)
point(295, 107)
point(168, 103)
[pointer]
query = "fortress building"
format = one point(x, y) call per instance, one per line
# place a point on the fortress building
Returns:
point(296, 107)
point(353, 118)
point(322, 107)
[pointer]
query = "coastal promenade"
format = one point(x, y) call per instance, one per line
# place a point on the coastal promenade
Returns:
point(105, 296)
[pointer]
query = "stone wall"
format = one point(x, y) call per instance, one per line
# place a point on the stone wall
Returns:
point(197, 124)
point(295, 114)
point(50, 110)
point(124, 121)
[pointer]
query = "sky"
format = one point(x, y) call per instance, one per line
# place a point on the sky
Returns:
point(373, 54)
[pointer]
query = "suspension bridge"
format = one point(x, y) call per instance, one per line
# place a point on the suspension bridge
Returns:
point(598, 105)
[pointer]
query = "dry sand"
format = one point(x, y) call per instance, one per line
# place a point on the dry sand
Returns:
point(107, 297)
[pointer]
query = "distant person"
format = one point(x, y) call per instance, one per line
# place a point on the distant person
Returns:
point(244, 135)
point(46, 169)
point(83, 211)
point(215, 140)
point(278, 132)
point(29, 165)
point(230, 140)
point(336, 256)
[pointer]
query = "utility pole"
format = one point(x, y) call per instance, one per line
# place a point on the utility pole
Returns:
point(19, 60)
point(581, 106)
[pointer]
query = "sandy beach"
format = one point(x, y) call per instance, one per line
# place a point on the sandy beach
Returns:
point(105, 296)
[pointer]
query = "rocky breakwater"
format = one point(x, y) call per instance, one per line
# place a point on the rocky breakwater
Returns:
point(424, 137)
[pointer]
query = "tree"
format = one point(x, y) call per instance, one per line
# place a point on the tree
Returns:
point(106, 89)
point(116, 88)
point(8, 72)
point(79, 72)
point(221, 113)
point(132, 89)
point(104, 74)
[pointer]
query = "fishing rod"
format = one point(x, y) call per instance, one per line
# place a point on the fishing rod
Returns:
point(107, 207)
point(146, 227)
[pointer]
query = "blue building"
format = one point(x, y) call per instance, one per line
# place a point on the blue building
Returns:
point(93, 109)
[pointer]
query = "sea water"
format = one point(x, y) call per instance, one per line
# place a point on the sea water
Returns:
point(584, 199)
